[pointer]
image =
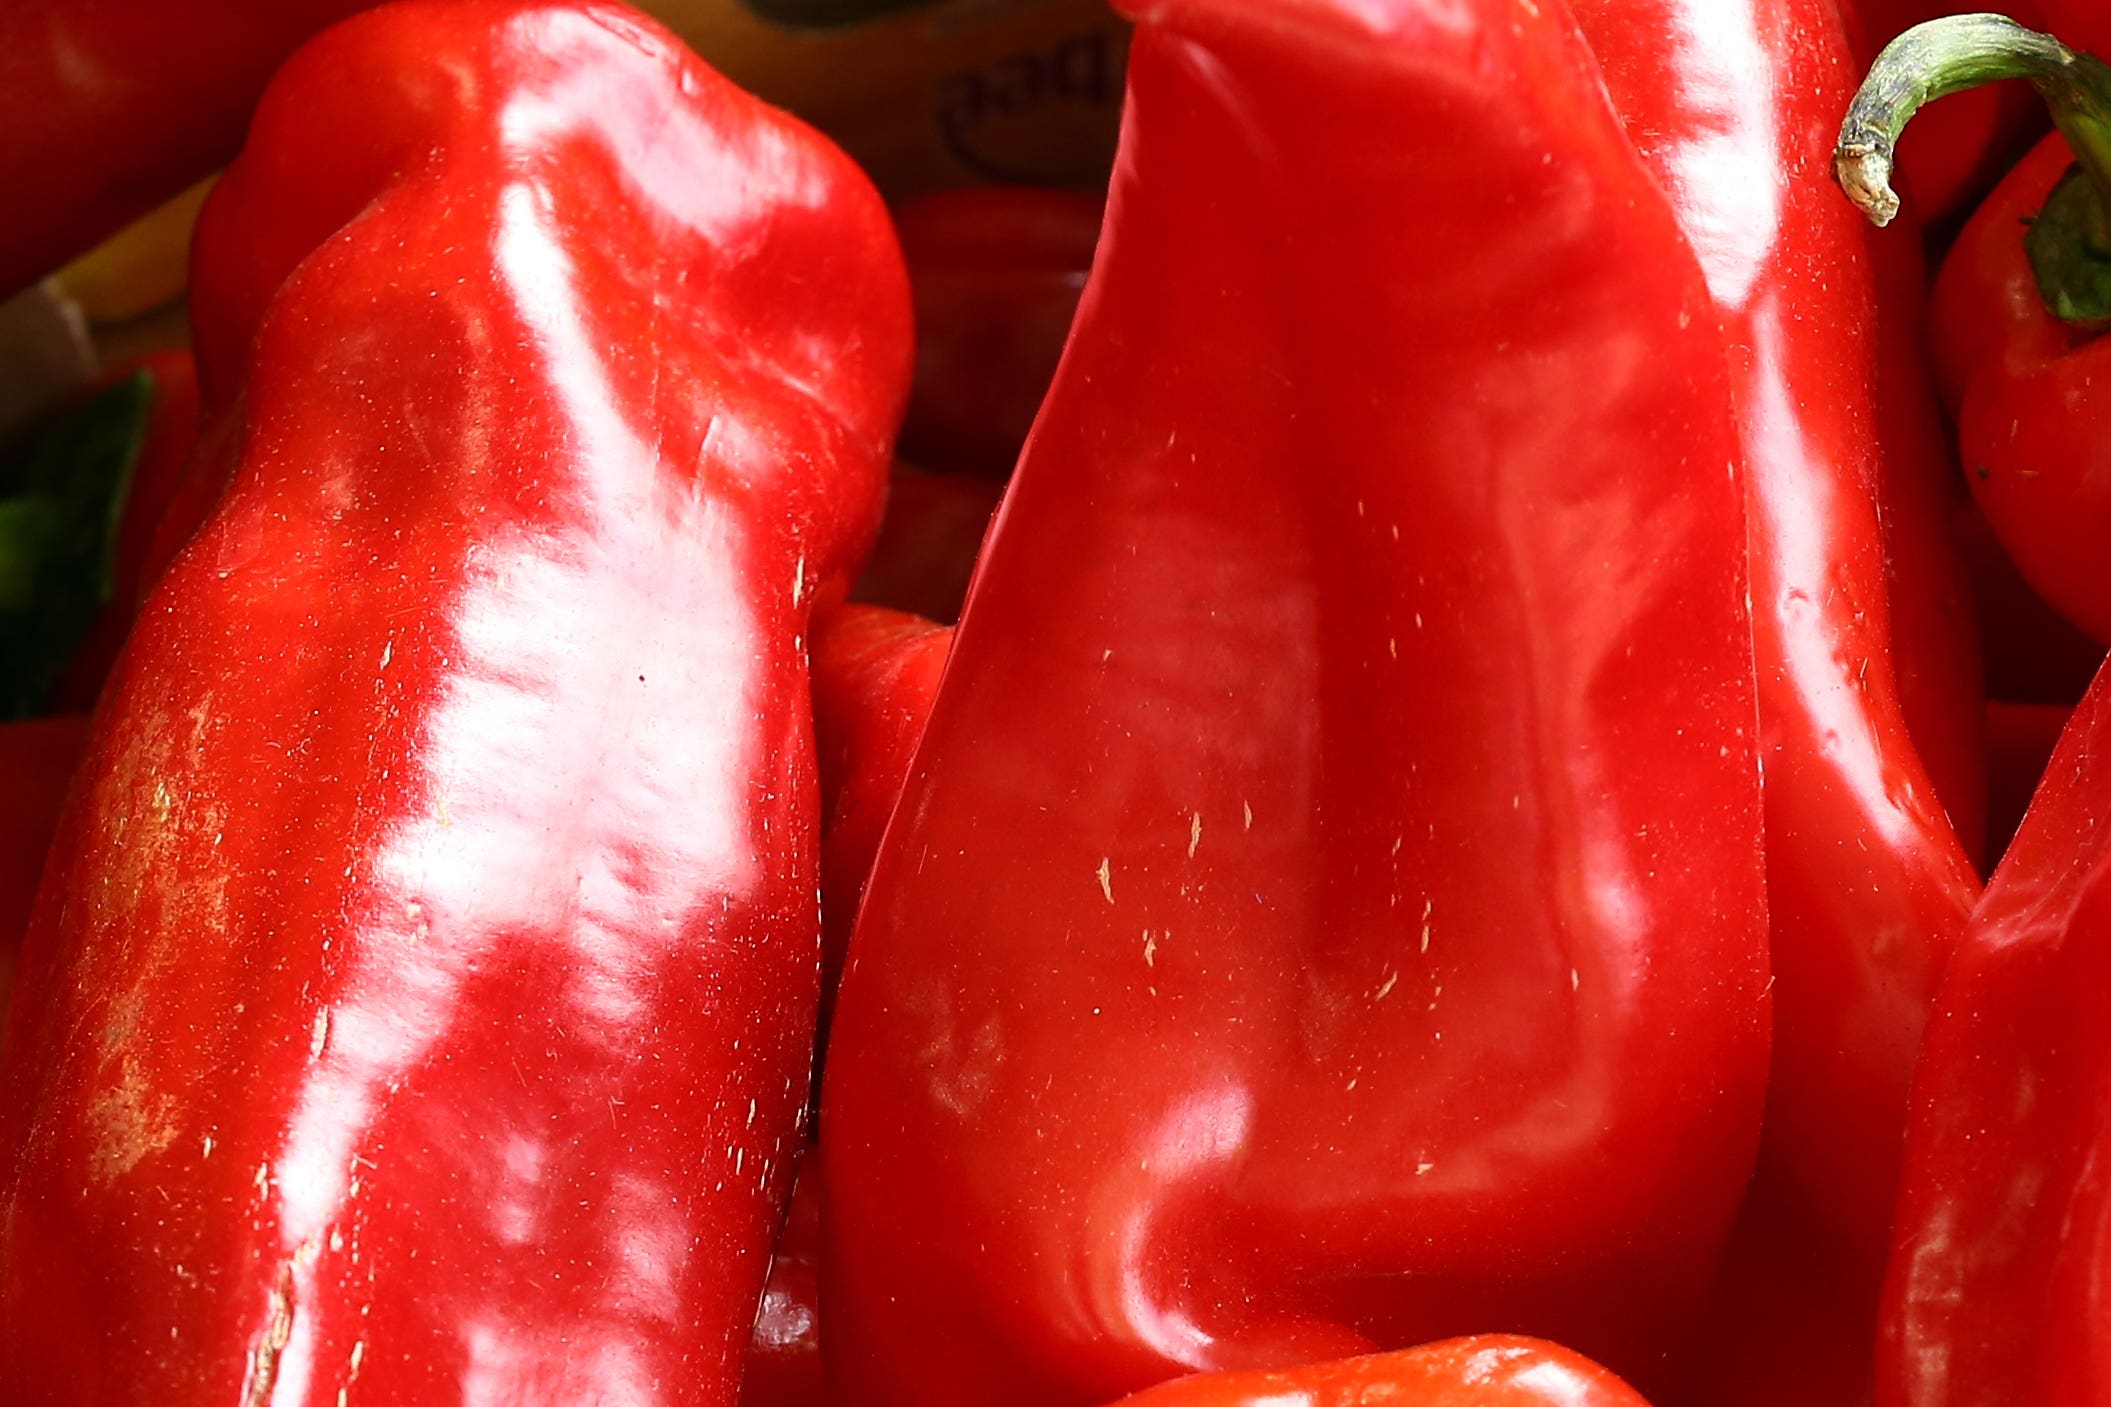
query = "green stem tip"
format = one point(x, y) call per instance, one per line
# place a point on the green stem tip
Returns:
point(1950, 55)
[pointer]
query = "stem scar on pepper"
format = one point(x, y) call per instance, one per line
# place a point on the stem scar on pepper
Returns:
point(2069, 242)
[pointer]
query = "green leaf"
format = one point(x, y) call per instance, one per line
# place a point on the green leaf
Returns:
point(2069, 245)
point(58, 539)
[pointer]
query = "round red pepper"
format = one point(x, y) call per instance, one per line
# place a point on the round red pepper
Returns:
point(1495, 1370)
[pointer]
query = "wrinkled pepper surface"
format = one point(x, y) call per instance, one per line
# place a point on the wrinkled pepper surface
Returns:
point(1868, 886)
point(1326, 913)
point(112, 106)
point(420, 1003)
point(1997, 1295)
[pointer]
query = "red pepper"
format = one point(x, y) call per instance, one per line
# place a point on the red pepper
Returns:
point(875, 674)
point(2083, 23)
point(37, 757)
point(2033, 656)
point(783, 1366)
point(996, 273)
point(421, 1002)
point(2016, 315)
point(1867, 884)
point(1494, 1370)
point(112, 106)
point(1997, 1296)
point(1326, 912)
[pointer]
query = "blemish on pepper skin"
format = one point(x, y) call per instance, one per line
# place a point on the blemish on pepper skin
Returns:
point(144, 907)
point(128, 1125)
point(1194, 834)
point(264, 1354)
point(1106, 877)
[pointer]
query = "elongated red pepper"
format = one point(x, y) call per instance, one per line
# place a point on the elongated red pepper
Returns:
point(1326, 912)
point(1867, 884)
point(2017, 314)
point(112, 106)
point(1494, 1370)
point(420, 1003)
point(1997, 1295)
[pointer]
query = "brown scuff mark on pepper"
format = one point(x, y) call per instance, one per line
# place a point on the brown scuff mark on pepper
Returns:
point(264, 1353)
point(129, 1122)
point(143, 896)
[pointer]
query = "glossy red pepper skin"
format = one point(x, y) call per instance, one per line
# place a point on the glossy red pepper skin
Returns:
point(1283, 949)
point(112, 106)
point(1494, 1370)
point(876, 672)
point(420, 1005)
point(996, 273)
point(783, 1365)
point(1996, 1295)
point(2029, 395)
point(1868, 886)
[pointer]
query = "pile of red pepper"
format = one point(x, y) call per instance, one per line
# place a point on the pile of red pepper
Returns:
point(1441, 863)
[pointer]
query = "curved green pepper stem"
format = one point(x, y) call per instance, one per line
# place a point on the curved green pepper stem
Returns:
point(2069, 244)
